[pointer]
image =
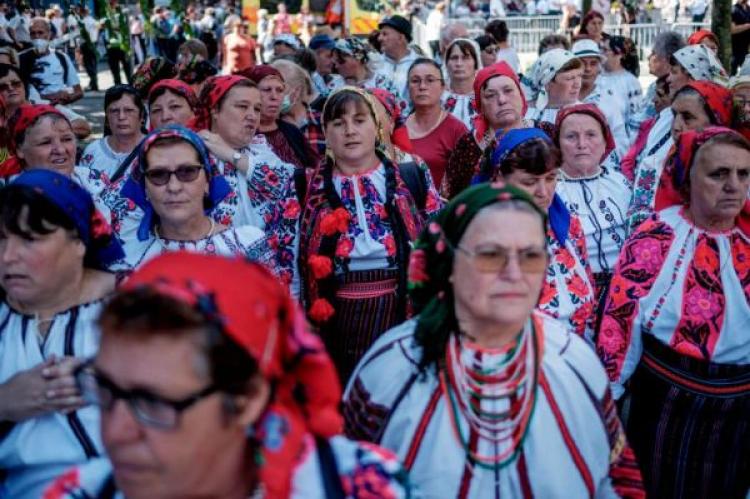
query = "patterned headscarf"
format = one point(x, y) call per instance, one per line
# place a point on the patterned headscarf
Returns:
point(550, 63)
point(152, 70)
point(24, 117)
point(589, 110)
point(432, 258)
point(354, 47)
point(697, 37)
point(76, 203)
point(400, 134)
point(701, 64)
point(671, 190)
point(260, 71)
point(135, 187)
point(717, 98)
point(196, 71)
point(257, 313)
point(483, 75)
point(213, 90)
point(177, 87)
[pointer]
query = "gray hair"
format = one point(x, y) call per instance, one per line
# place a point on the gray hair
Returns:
point(451, 31)
point(667, 43)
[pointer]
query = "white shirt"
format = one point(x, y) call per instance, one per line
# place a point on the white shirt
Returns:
point(48, 74)
point(100, 156)
point(434, 23)
point(510, 56)
point(397, 71)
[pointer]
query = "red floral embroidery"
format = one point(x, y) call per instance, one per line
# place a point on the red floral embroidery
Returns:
point(390, 245)
point(335, 221)
point(292, 209)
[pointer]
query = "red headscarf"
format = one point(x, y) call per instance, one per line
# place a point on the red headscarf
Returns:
point(400, 135)
point(260, 71)
point(25, 116)
point(214, 88)
point(697, 37)
point(589, 110)
point(677, 171)
point(484, 74)
point(178, 87)
point(718, 99)
point(258, 314)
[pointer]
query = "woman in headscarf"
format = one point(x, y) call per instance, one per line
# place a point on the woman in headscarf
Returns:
point(178, 186)
point(559, 77)
point(592, 187)
point(264, 420)
point(285, 139)
point(501, 106)
point(462, 62)
point(353, 60)
point(361, 215)
point(171, 102)
point(704, 37)
point(124, 127)
point(152, 71)
point(433, 132)
point(56, 248)
point(527, 159)
point(695, 62)
point(396, 141)
point(480, 394)
point(674, 333)
point(696, 105)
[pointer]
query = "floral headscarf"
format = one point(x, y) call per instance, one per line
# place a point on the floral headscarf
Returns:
point(717, 98)
point(701, 64)
point(483, 75)
point(177, 87)
point(135, 187)
point(550, 63)
point(151, 71)
point(354, 47)
point(77, 204)
point(432, 258)
point(213, 90)
point(255, 311)
point(196, 71)
point(589, 110)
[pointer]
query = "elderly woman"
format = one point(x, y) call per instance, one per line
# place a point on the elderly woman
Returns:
point(527, 159)
point(674, 332)
point(124, 124)
point(592, 187)
point(353, 61)
point(362, 213)
point(462, 62)
point(501, 106)
point(171, 102)
point(484, 395)
point(559, 77)
point(54, 247)
point(286, 139)
point(695, 106)
point(259, 396)
point(177, 186)
point(433, 131)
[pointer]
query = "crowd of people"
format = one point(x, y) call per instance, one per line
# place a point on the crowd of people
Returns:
point(347, 268)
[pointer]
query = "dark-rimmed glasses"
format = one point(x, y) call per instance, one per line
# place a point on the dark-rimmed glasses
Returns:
point(161, 176)
point(148, 408)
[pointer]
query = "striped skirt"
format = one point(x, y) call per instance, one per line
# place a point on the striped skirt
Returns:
point(689, 425)
point(366, 306)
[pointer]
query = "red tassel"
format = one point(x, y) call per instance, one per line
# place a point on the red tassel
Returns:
point(321, 311)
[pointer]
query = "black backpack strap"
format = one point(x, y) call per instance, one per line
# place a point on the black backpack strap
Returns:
point(64, 63)
point(300, 185)
point(415, 181)
point(124, 165)
point(329, 470)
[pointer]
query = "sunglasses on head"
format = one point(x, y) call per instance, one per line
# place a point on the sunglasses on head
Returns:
point(161, 176)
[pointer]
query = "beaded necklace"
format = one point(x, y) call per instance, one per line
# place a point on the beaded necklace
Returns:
point(495, 396)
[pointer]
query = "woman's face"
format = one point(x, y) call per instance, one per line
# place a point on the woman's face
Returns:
point(238, 117)
point(540, 187)
point(489, 55)
point(710, 44)
point(565, 88)
point(177, 203)
point(124, 117)
point(719, 183)
point(272, 93)
point(12, 90)
point(689, 114)
point(170, 109)
point(661, 98)
point(582, 143)
point(502, 102)
point(613, 59)
point(595, 27)
point(460, 66)
point(505, 297)
point(425, 85)
point(677, 78)
point(49, 143)
point(352, 135)
point(347, 65)
point(741, 96)
point(34, 269)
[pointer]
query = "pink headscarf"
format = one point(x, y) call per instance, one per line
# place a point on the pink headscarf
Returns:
point(485, 74)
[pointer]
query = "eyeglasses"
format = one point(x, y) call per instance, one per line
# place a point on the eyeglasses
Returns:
point(495, 259)
point(738, 101)
point(148, 408)
point(184, 173)
point(427, 81)
point(11, 85)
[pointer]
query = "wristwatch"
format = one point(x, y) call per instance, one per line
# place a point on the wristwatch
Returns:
point(236, 157)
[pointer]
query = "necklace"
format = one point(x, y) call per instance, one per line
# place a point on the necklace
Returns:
point(495, 393)
point(211, 228)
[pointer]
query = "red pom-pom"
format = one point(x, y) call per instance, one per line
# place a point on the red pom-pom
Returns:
point(321, 311)
point(320, 266)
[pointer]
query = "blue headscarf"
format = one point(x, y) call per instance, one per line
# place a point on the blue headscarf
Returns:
point(507, 142)
point(77, 204)
point(135, 187)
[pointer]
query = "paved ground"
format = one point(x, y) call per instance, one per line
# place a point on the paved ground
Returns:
point(92, 104)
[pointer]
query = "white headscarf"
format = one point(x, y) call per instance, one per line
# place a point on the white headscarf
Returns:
point(701, 64)
point(550, 64)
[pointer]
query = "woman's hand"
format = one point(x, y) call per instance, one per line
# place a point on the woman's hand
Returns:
point(223, 151)
point(48, 387)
